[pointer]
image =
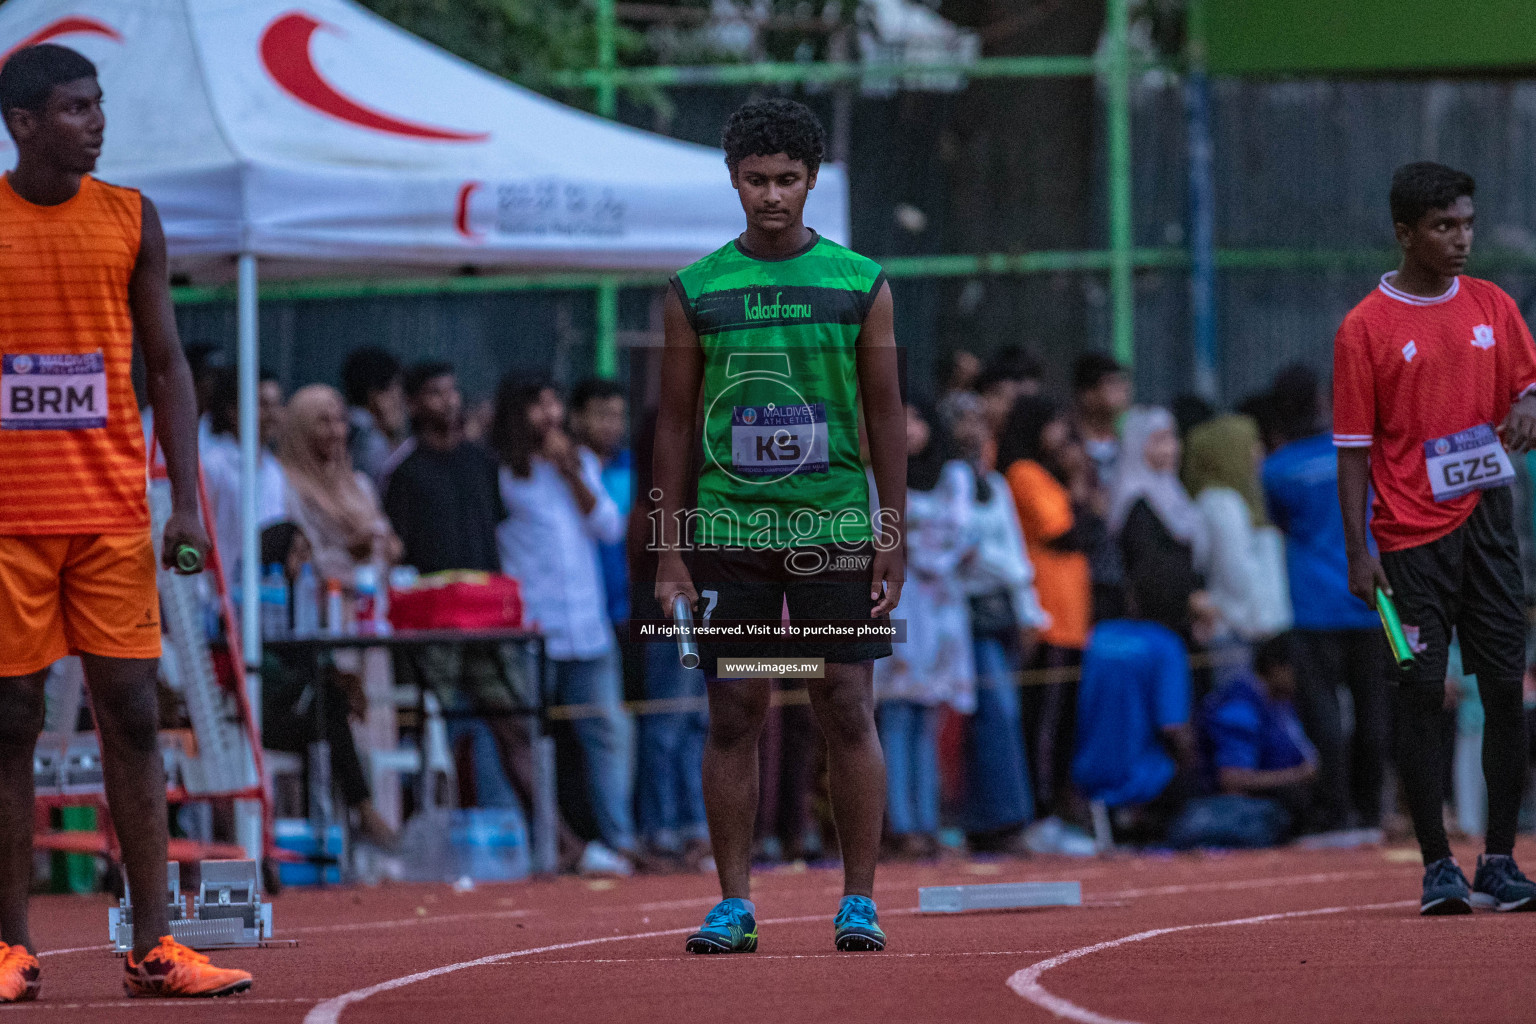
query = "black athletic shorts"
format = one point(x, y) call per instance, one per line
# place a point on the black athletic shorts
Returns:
point(1469, 579)
point(827, 583)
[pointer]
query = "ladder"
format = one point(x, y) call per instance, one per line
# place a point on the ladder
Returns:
point(219, 760)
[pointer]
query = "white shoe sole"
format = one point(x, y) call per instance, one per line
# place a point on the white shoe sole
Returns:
point(1483, 901)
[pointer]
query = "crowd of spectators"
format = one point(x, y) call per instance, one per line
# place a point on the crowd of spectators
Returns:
point(1101, 639)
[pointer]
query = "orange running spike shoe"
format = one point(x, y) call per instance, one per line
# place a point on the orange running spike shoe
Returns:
point(20, 977)
point(172, 971)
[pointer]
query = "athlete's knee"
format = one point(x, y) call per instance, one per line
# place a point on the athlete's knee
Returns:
point(128, 715)
point(1421, 699)
point(22, 708)
point(736, 714)
point(846, 714)
point(1503, 699)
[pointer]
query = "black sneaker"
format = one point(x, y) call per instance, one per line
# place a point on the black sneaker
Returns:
point(1445, 889)
point(1499, 885)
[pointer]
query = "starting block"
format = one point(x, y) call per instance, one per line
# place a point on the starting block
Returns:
point(954, 899)
point(227, 911)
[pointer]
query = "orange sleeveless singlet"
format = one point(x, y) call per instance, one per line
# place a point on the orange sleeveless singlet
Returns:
point(71, 442)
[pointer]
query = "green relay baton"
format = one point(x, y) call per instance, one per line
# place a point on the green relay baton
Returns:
point(1396, 639)
point(189, 560)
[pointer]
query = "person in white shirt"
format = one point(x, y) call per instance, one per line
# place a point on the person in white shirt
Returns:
point(220, 455)
point(557, 513)
point(1245, 579)
point(934, 666)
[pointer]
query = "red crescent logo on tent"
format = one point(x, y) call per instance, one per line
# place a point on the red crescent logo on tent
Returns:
point(461, 211)
point(285, 53)
point(63, 27)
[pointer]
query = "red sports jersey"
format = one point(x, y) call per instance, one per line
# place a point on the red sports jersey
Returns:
point(1408, 371)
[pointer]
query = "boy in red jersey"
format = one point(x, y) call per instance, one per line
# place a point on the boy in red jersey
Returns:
point(1433, 380)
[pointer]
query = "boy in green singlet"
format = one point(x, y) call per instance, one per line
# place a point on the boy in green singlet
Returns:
point(776, 339)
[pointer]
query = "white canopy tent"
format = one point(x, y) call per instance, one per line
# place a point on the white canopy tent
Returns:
point(318, 139)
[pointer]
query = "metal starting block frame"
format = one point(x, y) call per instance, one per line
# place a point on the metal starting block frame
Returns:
point(227, 911)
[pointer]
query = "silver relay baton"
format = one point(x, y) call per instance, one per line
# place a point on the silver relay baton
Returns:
point(687, 642)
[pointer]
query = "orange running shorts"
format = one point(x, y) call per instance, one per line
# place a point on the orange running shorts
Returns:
point(76, 594)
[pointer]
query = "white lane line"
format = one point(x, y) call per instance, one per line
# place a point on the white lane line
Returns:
point(697, 901)
point(76, 949)
point(406, 922)
point(158, 1004)
point(1026, 982)
point(329, 1011)
point(1243, 883)
point(685, 958)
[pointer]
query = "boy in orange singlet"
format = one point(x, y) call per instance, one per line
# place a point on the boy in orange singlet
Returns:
point(82, 272)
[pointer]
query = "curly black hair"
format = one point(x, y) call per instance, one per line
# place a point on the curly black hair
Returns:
point(766, 127)
point(1420, 187)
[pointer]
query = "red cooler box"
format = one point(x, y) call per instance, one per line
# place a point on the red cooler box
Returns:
point(458, 600)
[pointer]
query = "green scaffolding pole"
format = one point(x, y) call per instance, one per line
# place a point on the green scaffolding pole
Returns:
point(810, 72)
point(950, 265)
point(607, 319)
point(1121, 239)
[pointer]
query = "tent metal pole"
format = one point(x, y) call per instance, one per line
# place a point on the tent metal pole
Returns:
point(250, 441)
point(1121, 241)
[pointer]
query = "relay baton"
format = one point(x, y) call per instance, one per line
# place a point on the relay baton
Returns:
point(1396, 639)
point(189, 560)
point(687, 642)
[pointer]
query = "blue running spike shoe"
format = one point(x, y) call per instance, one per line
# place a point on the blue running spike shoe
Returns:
point(729, 928)
point(1445, 889)
point(1499, 885)
point(857, 926)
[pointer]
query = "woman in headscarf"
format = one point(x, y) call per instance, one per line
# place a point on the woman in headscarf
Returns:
point(1163, 537)
point(1246, 577)
point(337, 510)
point(335, 506)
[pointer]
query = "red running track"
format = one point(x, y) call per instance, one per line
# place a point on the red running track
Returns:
point(1280, 936)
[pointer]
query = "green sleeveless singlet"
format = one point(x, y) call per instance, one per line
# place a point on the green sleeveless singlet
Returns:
point(781, 446)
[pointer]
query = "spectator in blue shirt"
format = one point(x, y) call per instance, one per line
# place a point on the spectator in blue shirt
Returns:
point(1252, 739)
point(598, 416)
point(1338, 639)
point(1258, 763)
point(1135, 746)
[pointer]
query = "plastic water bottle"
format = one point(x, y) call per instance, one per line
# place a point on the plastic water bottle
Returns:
point(274, 602)
point(306, 602)
point(335, 608)
point(365, 584)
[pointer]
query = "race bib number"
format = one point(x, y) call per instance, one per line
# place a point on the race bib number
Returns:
point(779, 440)
point(1472, 460)
point(67, 392)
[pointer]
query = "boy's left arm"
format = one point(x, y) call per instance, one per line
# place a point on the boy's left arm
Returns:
point(885, 419)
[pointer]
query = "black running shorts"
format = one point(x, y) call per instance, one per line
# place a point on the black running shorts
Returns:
point(827, 583)
point(1469, 579)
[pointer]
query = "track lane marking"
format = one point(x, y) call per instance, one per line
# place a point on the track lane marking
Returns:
point(159, 1004)
point(686, 958)
point(1246, 883)
point(329, 1011)
point(405, 922)
point(1025, 983)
